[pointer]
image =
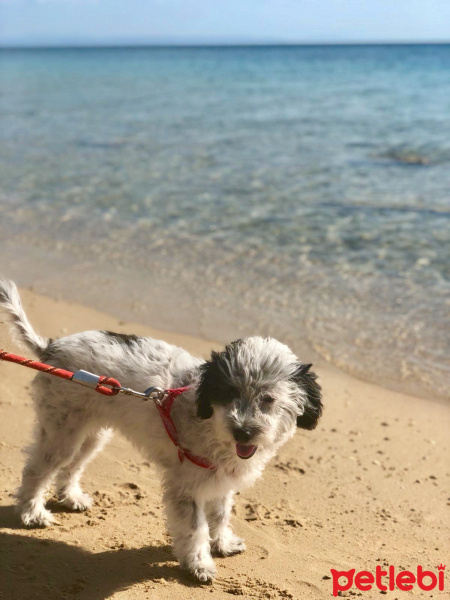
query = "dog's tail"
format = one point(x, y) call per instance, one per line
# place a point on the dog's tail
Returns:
point(11, 304)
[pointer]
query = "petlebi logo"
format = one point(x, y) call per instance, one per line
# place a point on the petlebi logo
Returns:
point(388, 580)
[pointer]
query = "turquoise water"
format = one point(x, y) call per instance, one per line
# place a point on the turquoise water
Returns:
point(301, 192)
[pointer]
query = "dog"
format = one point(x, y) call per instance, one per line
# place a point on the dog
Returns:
point(241, 406)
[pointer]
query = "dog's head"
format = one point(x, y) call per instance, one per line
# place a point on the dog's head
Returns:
point(257, 392)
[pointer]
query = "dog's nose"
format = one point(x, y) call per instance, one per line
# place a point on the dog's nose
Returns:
point(242, 434)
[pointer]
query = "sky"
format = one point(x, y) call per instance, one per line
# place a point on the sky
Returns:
point(105, 22)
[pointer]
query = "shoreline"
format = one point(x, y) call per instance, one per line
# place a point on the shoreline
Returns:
point(369, 486)
point(204, 305)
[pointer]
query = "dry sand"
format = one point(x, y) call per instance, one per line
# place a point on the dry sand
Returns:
point(369, 486)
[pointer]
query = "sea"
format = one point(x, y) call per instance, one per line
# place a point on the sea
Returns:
point(301, 192)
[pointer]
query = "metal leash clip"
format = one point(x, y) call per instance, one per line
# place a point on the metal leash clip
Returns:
point(155, 393)
point(152, 393)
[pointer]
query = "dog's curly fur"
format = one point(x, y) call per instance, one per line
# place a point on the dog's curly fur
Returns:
point(243, 403)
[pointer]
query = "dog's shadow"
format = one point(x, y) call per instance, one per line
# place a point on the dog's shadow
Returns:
point(51, 570)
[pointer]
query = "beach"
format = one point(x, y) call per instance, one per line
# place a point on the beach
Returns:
point(368, 487)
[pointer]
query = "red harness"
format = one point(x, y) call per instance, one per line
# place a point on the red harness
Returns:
point(164, 409)
point(99, 385)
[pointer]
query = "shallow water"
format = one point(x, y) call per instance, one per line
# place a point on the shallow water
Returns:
point(301, 192)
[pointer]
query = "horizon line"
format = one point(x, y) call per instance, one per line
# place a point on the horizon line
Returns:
point(231, 44)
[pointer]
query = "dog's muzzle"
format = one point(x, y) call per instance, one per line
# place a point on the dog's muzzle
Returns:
point(242, 436)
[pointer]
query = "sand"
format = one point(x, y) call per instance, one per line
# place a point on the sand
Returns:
point(369, 486)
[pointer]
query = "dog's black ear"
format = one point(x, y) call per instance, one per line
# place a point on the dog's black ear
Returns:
point(307, 381)
point(214, 386)
point(207, 387)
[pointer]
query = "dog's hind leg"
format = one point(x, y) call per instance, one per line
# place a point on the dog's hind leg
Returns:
point(68, 479)
point(53, 449)
point(223, 541)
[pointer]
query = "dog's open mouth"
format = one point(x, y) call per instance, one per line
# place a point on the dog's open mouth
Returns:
point(244, 451)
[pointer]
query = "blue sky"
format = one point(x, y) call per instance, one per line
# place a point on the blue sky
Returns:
point(56, 22)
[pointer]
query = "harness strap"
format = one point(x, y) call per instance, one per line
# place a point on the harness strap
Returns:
point(164, 409)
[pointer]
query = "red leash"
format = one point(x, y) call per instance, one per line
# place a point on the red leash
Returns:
point(68, 375)
point(163, 399)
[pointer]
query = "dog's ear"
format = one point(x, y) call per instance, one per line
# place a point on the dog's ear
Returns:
point(214, 386)
point(312, 409)
point(205, 389)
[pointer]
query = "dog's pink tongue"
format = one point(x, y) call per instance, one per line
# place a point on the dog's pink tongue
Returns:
point(244, 451)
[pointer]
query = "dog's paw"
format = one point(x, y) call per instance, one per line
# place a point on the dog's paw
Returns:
point(37, 517)
point(227, 544)
point(77, 502)
point(204, 573)
point(203, 570)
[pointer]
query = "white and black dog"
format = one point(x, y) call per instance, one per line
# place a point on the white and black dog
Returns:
point(243, 403)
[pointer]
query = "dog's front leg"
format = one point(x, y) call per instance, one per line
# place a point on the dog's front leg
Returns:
point(188, 527)
point(223, 541)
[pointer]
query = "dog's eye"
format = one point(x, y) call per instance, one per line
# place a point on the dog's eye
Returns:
point(267, 399)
